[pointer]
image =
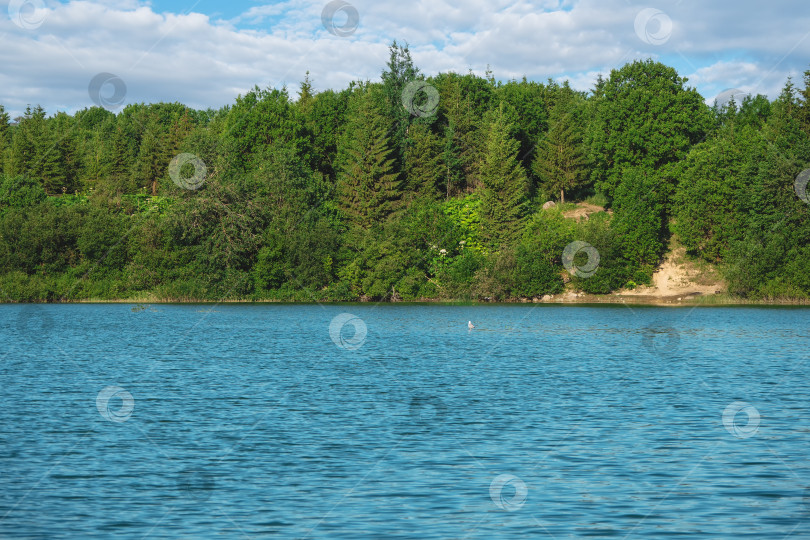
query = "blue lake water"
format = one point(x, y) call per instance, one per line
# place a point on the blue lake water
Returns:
point(396, 421)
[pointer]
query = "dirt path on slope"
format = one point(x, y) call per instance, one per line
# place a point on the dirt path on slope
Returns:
point(679, 278)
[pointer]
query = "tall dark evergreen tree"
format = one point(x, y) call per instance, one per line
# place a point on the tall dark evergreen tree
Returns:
point(368, 184)
point(400, 71)
point(153, 158)
point(560, 162)
point(423, 163)
point(5, 137)
point(504, 196)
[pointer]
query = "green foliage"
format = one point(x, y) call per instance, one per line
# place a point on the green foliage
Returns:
point(344, 195)
point(368, 185)
point(530, 101)
point(465, 214)
point(712, 200)
point(644, 117)
point(560, 163)
point(614, 269)
point(258, 119)
point(20, 192)
point(504, 197)
point(400, 71)
point(5, 136)
point(639, 219)
point(423, 158)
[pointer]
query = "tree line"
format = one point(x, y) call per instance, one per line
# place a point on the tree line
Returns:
point(406, 188)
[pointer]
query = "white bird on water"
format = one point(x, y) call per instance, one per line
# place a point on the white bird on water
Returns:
point(470, 325)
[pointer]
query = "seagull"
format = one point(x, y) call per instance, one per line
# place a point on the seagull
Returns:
point(470, 325)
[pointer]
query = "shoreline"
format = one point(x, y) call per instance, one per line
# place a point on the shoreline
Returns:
point(711, 300)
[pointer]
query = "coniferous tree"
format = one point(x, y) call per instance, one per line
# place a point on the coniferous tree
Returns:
point(368, 186)
point(560, 161)
point(504, 197)
point(153, 157)
point(401, 70)
point(305, 95)
point(423, 162)
point(22, 153)
point(5, 136)
point(34, 152)
point(804, 106)
point(68, 164)
point(463, 102)
point(451, 163)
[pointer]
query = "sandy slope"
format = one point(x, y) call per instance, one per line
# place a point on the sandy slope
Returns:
point(677, 278)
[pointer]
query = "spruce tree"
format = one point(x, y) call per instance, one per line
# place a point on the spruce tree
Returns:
point(560, 162)
point(5, 136)
point(153, 158)
point(423, 164)
point(804, 109)
point(368, 186)
point(400, 72)
point(34, 151)
point(504, 197)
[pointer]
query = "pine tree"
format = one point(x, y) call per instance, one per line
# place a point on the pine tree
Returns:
point(560, 162)
point(504, 199)
point(368, 186)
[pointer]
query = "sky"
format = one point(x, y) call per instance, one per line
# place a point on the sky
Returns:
point(70, 55)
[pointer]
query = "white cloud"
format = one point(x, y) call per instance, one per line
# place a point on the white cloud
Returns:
point(204, 62)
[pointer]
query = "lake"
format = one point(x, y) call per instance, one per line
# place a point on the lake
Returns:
point(397, 421)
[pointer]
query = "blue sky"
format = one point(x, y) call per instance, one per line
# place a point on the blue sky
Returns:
point(206, 53)
point(213, 8)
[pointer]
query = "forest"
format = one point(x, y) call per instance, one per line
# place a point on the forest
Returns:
point(407, 188)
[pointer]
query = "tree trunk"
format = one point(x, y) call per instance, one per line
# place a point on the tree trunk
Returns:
point(562, 196)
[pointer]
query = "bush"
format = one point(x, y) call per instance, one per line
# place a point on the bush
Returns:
point(20, 192)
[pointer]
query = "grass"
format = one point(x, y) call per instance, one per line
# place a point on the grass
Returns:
point(597, 199)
